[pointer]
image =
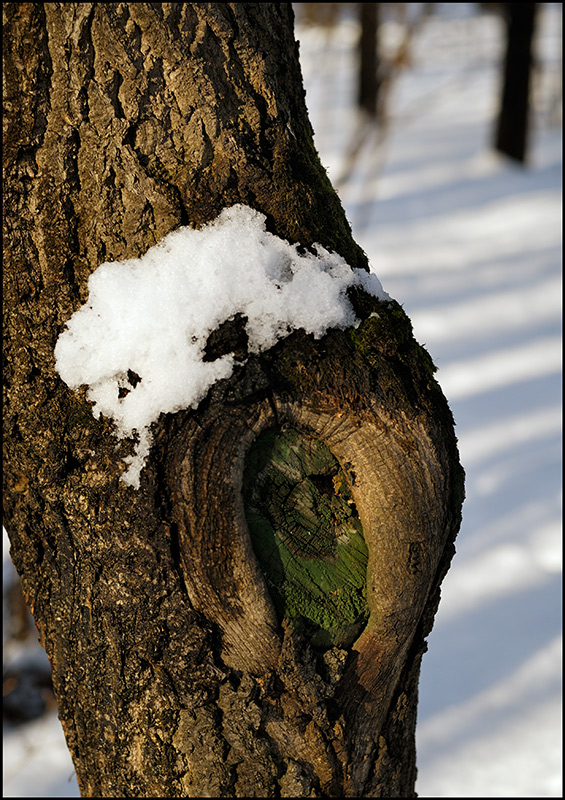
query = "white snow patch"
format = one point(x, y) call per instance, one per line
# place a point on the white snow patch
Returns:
point(522, 706)
point(36, 760)
point(152, 317)
point(502, 367)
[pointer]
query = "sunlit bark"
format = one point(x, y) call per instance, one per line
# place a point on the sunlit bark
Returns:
point(175, 673)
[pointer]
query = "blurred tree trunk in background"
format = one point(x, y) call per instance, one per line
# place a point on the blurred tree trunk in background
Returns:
point(326, 14)
point(513, 117)
point(369, 57)
point(175, 672)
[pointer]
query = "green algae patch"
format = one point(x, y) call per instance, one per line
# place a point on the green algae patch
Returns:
point(307, 535)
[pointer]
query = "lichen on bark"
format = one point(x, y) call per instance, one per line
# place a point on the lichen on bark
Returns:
point(307, 535)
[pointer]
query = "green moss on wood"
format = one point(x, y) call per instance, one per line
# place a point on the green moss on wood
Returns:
point(307, 535)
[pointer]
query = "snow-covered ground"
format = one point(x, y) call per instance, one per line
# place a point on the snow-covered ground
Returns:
point(470, 244)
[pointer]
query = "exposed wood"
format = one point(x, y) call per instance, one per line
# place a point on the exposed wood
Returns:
point(307, 535)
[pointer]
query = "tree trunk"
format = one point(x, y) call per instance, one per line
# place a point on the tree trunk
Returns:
point(512, 125)
point(368, 57)
point(177, 668)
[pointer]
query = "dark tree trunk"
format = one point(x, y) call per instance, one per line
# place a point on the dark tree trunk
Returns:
point(512, 125)
point(176, 672)
point(368, 57)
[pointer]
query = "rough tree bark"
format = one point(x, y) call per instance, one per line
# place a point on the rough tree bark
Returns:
point(176, 672)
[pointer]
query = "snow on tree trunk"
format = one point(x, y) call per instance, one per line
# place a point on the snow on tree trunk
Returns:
point(184, 663)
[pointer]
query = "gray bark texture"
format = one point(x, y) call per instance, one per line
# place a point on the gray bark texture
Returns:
point(174, 674)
